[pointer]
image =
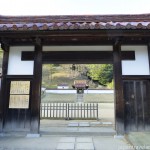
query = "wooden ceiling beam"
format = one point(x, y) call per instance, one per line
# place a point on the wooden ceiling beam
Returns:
point(82, 37)
point(74, 33)
point(77, 41)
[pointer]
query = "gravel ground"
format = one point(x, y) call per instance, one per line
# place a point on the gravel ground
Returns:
point(68, 98)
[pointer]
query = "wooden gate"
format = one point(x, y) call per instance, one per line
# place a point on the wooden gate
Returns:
point(137, 105)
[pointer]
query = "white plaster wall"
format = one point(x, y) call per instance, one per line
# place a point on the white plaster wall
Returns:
point(77, 48)
point(139, 66)
point(15, 65)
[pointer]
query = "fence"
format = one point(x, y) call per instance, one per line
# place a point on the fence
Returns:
point(69, 110)
point(53, 110)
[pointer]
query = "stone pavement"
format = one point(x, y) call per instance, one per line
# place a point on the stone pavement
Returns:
point(136, 140)
point(75, 135)
point(71, 136)
point(63, 143)
point(75, 143)
point(86, 128)
point(139, 140)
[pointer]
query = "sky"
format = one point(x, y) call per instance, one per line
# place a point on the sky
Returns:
point(73, 7)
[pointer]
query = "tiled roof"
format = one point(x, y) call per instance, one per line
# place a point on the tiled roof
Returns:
point(30, 23)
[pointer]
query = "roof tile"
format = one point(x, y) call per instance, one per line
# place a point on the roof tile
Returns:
point(35, 23)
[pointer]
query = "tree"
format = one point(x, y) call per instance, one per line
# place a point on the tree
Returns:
point(110, 85)
point(93, 71)
point(102, 73)
point(105, 74)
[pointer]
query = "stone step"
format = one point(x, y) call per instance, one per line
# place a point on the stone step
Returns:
point(42, 133)
point(77, 131)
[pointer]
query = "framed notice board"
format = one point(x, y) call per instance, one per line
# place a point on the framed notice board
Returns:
point(19, 94)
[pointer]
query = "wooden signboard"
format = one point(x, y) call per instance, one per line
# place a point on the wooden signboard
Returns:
point(19, 94)
point(20, 87)
point(19, 101)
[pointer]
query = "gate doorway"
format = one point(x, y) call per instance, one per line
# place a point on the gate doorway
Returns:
point(136, 96)
point(62, 105)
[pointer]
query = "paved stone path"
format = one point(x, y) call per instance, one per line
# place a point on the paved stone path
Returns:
point(140, 140)
point(75, 143)
point(63, 143)
point(72, 135)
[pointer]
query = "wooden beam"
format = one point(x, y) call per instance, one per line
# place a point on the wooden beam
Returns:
point(119, 102)
point(135, 77)
point(36, 88)
point(3, 90)
point(80, 57)
point(95, 33)
point(148, 48)
point(76, 40)
point(76, 37)
point(19, 77)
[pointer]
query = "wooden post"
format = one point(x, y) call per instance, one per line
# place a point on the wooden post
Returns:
point(5, 47)
point(148, 49)
point(147, 101)
point(118, 92)
point(36, 88)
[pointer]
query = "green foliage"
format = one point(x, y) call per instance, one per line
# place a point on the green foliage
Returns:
point(94, 71)
point(1, 57)
point(102, 73)
point(63, 73)
point(111, 85)
point(1, 53)
point(106, 74)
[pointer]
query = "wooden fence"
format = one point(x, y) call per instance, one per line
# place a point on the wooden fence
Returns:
point(53, 110)
point(69, 110)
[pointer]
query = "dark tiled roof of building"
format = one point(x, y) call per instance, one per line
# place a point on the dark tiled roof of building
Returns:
point(13, 23)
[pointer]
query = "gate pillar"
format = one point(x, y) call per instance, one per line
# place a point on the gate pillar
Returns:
point(36, 88)
point(3, 93)
point(118, 92)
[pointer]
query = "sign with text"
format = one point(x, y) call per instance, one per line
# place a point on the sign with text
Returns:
point(19, 94)
point(20, 87)
point(19, 101)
